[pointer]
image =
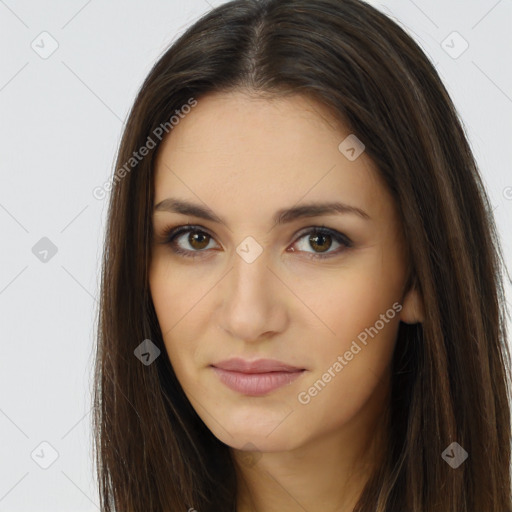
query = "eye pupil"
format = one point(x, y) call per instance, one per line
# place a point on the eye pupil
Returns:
point(193, 239)
point(313, 239)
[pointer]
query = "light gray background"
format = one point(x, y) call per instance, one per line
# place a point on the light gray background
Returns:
point(61, 120)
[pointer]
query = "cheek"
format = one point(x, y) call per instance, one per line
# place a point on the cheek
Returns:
point(355, 297)
point(177, 291)
point(351, 371)
point(357, 306)
point(363, 324)
point(176, 302)
point(360, 305)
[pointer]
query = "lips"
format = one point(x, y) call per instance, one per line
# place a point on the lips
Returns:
point(256, 378)
point(257, 366)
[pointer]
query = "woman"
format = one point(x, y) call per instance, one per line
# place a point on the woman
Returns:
point(302, 304)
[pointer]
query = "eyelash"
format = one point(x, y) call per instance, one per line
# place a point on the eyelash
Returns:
point(171, 234)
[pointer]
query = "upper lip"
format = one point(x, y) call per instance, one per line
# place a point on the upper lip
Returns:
point(256, 366)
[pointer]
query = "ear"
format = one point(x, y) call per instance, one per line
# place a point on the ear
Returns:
point(412, 311)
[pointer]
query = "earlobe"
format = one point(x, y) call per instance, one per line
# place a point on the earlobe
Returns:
point(412, 308)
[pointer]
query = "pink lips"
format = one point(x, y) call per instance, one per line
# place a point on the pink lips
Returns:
point(255, 377)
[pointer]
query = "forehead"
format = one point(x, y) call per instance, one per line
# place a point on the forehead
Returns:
point(233, 151)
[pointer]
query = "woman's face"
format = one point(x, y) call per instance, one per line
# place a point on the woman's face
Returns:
point(325, 303)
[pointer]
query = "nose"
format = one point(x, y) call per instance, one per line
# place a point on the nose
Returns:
point(252, 301)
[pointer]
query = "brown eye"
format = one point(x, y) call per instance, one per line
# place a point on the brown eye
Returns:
point(320, 242)
point(196, 244)
point(198, 240)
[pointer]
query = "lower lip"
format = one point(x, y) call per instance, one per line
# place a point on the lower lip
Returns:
point(256, 384)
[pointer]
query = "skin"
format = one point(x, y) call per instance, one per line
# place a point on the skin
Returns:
point(245, 158)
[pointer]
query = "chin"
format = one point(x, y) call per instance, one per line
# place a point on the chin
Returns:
point(262, 436)
point(259, 443)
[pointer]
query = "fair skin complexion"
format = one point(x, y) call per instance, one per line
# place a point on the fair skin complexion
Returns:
point(245, 159)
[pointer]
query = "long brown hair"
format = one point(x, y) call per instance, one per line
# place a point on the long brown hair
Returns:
point(451, 380)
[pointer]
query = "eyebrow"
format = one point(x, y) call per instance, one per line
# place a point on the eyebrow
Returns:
point(282, 216)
